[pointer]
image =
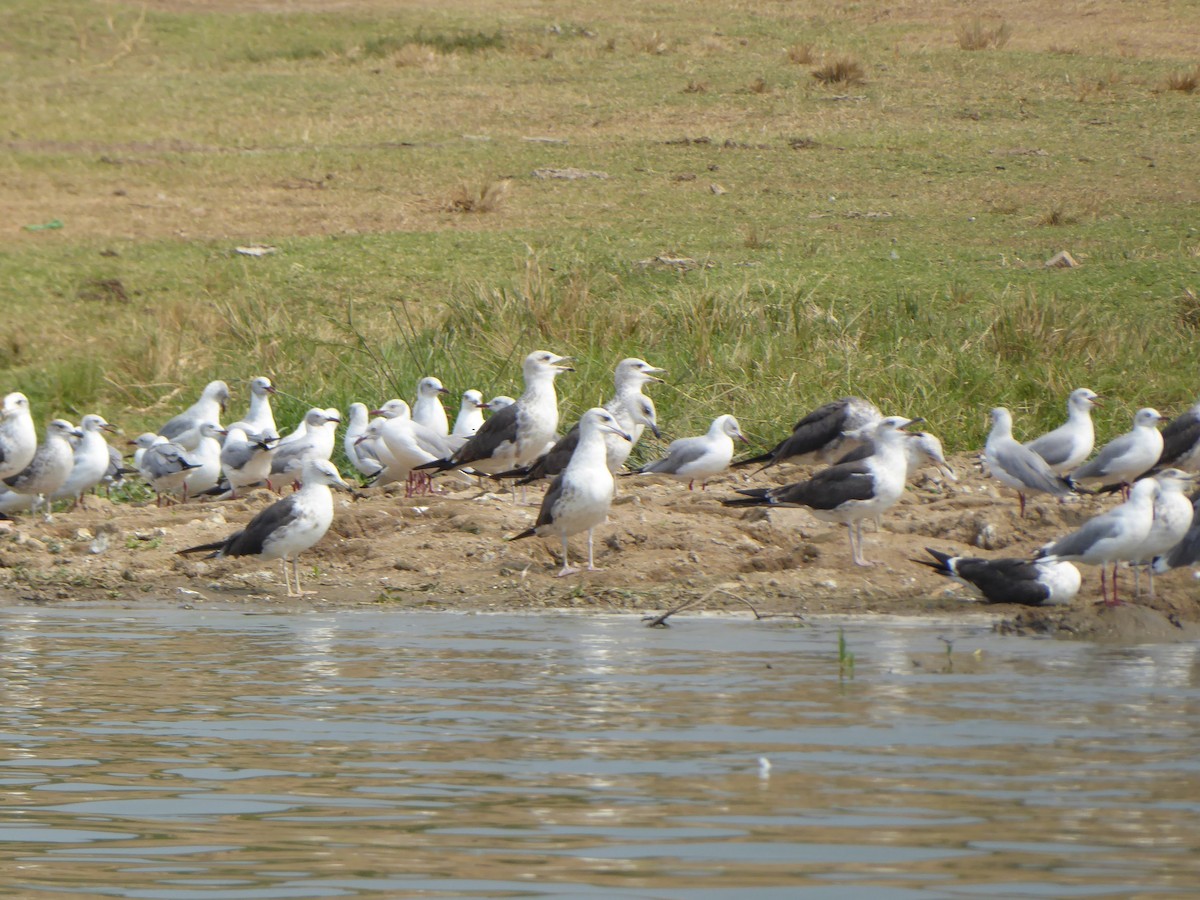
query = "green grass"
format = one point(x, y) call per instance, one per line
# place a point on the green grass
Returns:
point(884, 237)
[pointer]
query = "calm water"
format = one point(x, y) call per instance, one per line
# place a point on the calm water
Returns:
point(212, 754)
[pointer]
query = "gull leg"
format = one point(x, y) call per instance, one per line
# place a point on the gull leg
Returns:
point(566, 568)
point(286, 578)
point(1137, 582)
point(1150, 575)
point(1022, 498)
point(591, 563)
point(856, 554)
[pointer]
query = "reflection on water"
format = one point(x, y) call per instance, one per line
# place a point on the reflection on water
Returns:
point(210, 754)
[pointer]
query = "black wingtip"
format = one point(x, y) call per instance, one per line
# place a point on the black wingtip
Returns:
point(528, 532)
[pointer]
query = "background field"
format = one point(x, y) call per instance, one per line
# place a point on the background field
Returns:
point(882, 235)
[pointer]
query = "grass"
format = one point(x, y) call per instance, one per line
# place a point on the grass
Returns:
point(888, 243)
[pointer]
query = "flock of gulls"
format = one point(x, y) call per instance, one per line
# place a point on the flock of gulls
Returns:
point(864, 459)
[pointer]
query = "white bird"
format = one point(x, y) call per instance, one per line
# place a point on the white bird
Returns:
point(1016, 465)
point(164, 464)
point(699, 458)
point(824, 434)
point(207, 457)
point(1112, 537)
point(579, 498)
point(184, 429)
point(848, 492)
point(516, 435)
point(920, 449)
point(320, 436)
point(260, 420)
point(470, 414)
point(427, 409)
point(91, 460)
point(1187, 551)
point(409, 444)
point(245, 462)
point(1068, 445)
point(361, 454)
point(1029, 582)
point(288, 527)
point(1172, 519)
point(50, 467)
point(1126, 457)
point(18, 436)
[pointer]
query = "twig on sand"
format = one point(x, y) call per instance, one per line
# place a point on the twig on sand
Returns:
point(660, 621)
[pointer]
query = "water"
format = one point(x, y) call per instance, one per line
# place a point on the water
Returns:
point(184, 754)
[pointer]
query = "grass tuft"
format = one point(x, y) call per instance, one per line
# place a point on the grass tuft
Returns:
point(488, 198)
point(844, 70)
point(1185, 82)
point(978, 35)
point(801, 54)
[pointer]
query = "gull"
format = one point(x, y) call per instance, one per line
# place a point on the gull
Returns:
point(288, 527)
point(920, 449)
point(470, 414)
point(164, 464)
point(1172, 519)
point(1181, 441)
point(1126, 457)
point(361, 454)
point(320, 435)
point(260, 420)
point(579, 498)
point(699, 458)
point(18, 437)
point(822, 434)
point(245, 461)
point(1017, 466)
point(632, 409)
point(115, 474)
point(1068, 445)
point(409, 444)
point(90, 460)
point(1111, 537)
point(516, 435)
point(1186, 551)
point(207, 457)
point(427, 409)
point(849, 492)
point(184, 429)
point(50, 467)
point(1036, 582)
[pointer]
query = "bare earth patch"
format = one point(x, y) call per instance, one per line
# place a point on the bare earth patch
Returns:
point(662, 547)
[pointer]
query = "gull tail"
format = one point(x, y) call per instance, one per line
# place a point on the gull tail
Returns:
point(751, 497)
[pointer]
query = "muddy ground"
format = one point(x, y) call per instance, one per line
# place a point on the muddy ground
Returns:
point(663, 547)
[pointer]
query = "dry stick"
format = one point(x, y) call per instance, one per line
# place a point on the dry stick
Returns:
point(661, 620)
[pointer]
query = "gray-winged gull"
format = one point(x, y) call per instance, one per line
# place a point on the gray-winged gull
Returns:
point(823, 434)
point(849, 492)
point(1066, 447)
point(245, 461)
point(184, 429)
point(207, 457)
point(470, 414)
point(320, 436)
point(1029, 582)
point(1172, 519)
point(579, 498)
point(516, 435)
point(1128, 456)
point(164, 464)
point(1181, 441)
point(1112, 537)
point(288, 527)
point(699, 458)
point(1187, 551)
point(18, 436)
point(50, 467)
point(90, 461)
point(427, 408)
point(259, 421)
point(362, 454)
point(1017, 466)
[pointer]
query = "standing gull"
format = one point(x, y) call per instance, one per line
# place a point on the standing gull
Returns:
point(184, 429)
point(1172, 519)
point(692, 458)
point(1029, 582)
point(427, 409)
point(50, 467)
point(288, 527)
point(579, 499)
point(1068, 445)
point(18, 437)
point(849, 492)
point(91, 460)
point(1017, 466)
point(517, 434)
point(470, 414)
point(245, 462)
point(1126, 457)
point(361, 453)
point(164, 464)
point(823, 434)
point(1181, 441)
point(260, 420)
point(320, 436)
point(1187, 551)
point(207, 457)
point(1111, 537)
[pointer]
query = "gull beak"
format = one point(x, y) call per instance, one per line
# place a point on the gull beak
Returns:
point(911, 422)
point(375, 412)
point(618, 432)
point(654, 430)
point(947, 471)
point(443, 390)
point(109, 427)
point(741, 437)
point(559, 364)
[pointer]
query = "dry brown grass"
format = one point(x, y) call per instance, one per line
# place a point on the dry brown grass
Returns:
point(801, 54)
point(979, 35)
point(1186, 82)
point(487, 198)
point(844, 70)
